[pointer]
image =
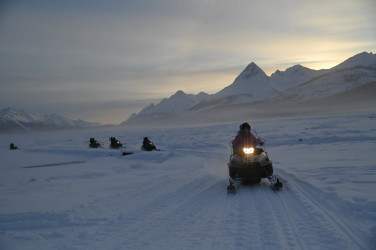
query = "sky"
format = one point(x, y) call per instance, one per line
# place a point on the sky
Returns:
point(102, 61)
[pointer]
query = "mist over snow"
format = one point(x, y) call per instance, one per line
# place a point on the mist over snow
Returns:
point(288, 92)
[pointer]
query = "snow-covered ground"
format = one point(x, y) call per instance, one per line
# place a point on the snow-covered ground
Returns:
point(176, 198)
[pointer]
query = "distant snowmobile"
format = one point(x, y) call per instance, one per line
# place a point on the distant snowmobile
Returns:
point(12, 146)
point(115, 143)
point(94, 143)
point(148, 145)
point(249, 166)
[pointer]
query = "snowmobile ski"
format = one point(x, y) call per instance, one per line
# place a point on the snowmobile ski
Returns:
point(127, 153)
point(231, 187)
point(275, 184)
point(55, 164)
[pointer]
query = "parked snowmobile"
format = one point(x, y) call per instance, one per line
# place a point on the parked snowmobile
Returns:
point(249, 166)
point(94, 143)
point(115, 143)
point(148, 145)
point(12, 146)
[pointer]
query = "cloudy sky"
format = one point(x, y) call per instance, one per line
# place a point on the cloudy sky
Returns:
point(103, 60)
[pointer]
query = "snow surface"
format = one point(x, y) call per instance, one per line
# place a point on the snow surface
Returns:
point(176, 198)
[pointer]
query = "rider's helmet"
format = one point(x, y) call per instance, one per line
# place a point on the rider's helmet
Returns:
point(244, 126)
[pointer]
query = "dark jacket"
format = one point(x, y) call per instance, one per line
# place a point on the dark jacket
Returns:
point(244, 139)
point(148, 145)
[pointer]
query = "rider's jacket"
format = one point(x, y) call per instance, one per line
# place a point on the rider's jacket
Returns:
point(244, 139)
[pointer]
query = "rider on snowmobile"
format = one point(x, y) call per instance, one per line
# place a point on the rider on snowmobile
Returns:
point(115, 143)
point(12, 146)
point(148, 145)
point(249, 163)
point(245, 137)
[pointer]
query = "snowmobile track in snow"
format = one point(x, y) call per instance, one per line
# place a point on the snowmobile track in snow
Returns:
point(308, 201)
point(209, 218)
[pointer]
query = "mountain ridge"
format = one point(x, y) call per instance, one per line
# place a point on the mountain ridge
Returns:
point(12, 119)
point(297, 82)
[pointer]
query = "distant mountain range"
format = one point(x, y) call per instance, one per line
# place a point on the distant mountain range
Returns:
point(16, 120)
point(253, 89)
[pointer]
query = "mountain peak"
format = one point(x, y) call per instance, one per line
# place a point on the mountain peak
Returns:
point(251, 70)
point(252, 82)
point(298, 69)
point(11, 110)
point(292, 77)
point(364, 59)
point(297, 66)
point(179, 93)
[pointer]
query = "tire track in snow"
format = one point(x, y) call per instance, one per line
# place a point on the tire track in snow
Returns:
point(266, 216)
point(204, 213)
point(279, 229)
point(199, 213)
point(321, 207)
point(215, 235)
point(176, 210)
point(247, 220)
point(259, 216)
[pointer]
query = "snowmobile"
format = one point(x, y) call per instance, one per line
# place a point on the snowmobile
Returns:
point(12, 146)
point(249, 166)
point(148, 145)
point(115, 143)
point(94, 143)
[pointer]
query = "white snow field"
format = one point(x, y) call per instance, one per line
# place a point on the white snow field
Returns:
point(176, 198)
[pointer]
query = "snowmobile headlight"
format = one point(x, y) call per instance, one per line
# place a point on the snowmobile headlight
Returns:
point(248, 151)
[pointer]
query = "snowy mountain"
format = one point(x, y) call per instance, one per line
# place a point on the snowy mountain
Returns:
point(333, 82)
point(254, 86)
point(363, 59)
point(252, 82)
point(177, 103)
point(15, 119)
point(352, 73)
point(292, 77)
